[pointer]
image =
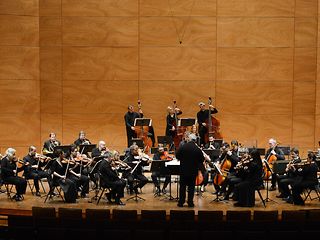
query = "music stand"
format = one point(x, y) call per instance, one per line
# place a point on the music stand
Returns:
point(85, 148)
point(66, 149)
point(158, 166)
point(262, 151)
point(219, 141)
point(165, 140)
point(140, 122)
point(173, 168)
point(186, 122)
point(137, 141)
point(267, 199)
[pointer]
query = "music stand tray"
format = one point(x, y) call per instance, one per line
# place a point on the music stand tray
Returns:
point(219, 141)
point(142, 122)
point(136, 141)
point(66, 149)
point(85, 148)
point(165, 140)
point(186, 122)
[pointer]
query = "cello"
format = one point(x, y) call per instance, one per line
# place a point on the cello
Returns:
point(271, 160)
point(213, 125)
point(224, 169)
point(142, 133)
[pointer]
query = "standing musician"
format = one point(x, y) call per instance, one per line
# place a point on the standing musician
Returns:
point(9, 173)
point(109, 178)
point(82, 140)
point(274, 152)
point(172, 124)
point(202, 118)
point(76, 172)
point(251, 174)
point(191, 158)
point(59, 170)
point(33, 167)
point(136, 160)
point(290, 176)
point(129, 118)
point(50, 144)
point(161, 155)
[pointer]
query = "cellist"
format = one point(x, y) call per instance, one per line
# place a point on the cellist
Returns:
point(202, 118)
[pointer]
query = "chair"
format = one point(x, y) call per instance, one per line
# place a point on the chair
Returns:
point(182, 219)
point(50, 194)
point(293, 219)
point(70, 217)
point(31, 185)
point(238, 219)
point(97, 217)
point(21, 227)
point(44, 216)
point(124, 218)
point(210, 220)
point(153, 219)
point(309, 190)
point(262, 218)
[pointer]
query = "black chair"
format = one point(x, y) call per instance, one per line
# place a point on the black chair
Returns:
point(124, 218)
point(309, 190)
point(182, 219)
point(21, 227)
point(52, 193)
point(31, 185)
point(153, 219)
point(70, 217)
point(210, 219)
point(97, 218)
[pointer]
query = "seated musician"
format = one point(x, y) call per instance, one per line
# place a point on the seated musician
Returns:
point(290, 176)
point(97, 155)
point(308, 172)
point(161, 155)
point(109, 178)
point(9, 173)
point(82, 140)
point(49, 145)
point(136, 160)
point(211, 144)
point(274, 151)
point(33, 167)
point(251, 175)
point(59, 170)
point(76, 172)
point(100, 150)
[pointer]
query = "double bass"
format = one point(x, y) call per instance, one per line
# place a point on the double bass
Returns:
point(179, 130)
point(142, 133)
point(213, 125)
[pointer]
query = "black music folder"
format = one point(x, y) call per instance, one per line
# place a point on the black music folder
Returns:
point(142, 122)
point(186, 122)
point(85, 148)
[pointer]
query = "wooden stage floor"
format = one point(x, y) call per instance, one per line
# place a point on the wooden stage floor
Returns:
point(202, 202)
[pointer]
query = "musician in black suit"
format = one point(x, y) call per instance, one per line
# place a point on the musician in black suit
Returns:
point(97, 154)
point(191, 158)
point(129, 118)
point(82, 139)
point(33, 168)
point(9, 173)
point(50, 144)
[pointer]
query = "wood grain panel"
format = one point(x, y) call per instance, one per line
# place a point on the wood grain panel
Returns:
point(255, 63)
point(19, 129)
point(155, 98)
point(100, 7)
point(167, 31)
point(317, 131)
point(305, 64)
point(100, 31)
point(19, 7)
point(51, 123)
point(178, 8)
point(50, 31)
point(107, 127)
point(19, 30)
point(50, 63)
point(303, 131)
point(177, 63)
point(19, 96)
point(247, 128)
point(306, 32)
point(255, 97)
point(82, 63)
point(317, 90)
point(19, 63)
point(51, 96)
point(50, 7)
point(249, 8)
point(98, 96)
point(306, 8)
point(255, 32)
point(304, 98)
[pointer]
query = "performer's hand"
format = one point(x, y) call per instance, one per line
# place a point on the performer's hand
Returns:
point(273, 152)
point(132, 128)
point(229, 153)
point(173, 128)
point(204, 124)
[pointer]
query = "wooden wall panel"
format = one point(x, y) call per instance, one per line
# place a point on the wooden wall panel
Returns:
point(98, 97)
point(19, 30)
point(156, 97)
point(50, 63)
point(306, 8)
point(50, 7)
point(304, 98)
point(19, 7)
point(100, 31)
point(255, 32)
point(306, 32)
point(100, 7)
point(178, 8)
point(303, 131)
point(255, 63)
point(92, 63)
point(195, 31)
point(50, 31)
point(305, 64)
point(19, 62)
point(51, 123)
point(250, 8)
point(254, 98)
point(19, 96)
point(180, 63)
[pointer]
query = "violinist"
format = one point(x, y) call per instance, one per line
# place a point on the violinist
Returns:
point(274, 152)
point(202, 118)
point(109, 178)
point(129, 118)
point(76, 172)
point(50, 144)
point(136, 159)
point(171, 122)
point(161, 155)
point(33, 167)
point(290, 176)
point(9, 173)
point(82, 140)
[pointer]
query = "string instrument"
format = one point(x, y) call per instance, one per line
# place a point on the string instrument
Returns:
point(43, 159)
point(142, 133)
point(244, 162)
point(213, 125)
point(224, 167)
point(166, 156)
point(199, 178)
point(19, 164)
point(179, 130)
point(271, 160)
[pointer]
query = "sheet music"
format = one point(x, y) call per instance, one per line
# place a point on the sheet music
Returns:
point(174, 162)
